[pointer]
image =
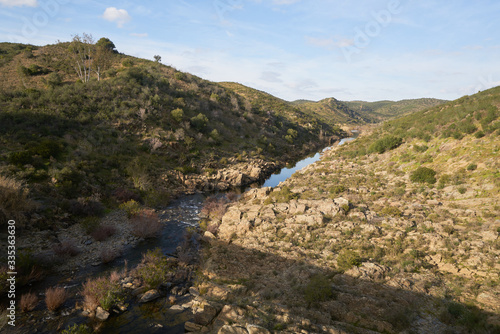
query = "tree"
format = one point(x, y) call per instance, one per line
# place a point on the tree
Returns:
point(102, 59)
point(157, 58)
point(80, 51)
point(107, 44)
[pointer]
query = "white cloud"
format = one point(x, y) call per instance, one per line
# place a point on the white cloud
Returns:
point(19, 3)
point(120, 16)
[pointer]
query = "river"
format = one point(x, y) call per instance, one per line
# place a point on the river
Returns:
point(156, 316)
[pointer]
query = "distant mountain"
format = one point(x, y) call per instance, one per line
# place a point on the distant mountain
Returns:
point(333, 110)
point(383, 110)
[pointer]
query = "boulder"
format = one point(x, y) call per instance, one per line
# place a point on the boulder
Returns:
point(101, 314)
point(226, 329)
point(204, 312)
point(149, 296)
point(254, 329)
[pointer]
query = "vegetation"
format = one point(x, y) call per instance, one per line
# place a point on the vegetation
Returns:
point(55, 297)
point(423, 175)
point(102, 291)
point(83, 125)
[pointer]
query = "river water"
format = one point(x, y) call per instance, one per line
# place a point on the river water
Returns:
point(157, 316)
point(285, 173)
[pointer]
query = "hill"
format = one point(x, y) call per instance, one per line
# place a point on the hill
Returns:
point(396, 231)
point(79, 136)
point(384, 110)
point(332, 110)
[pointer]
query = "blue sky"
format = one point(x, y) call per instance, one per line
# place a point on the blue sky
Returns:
point(294, 49)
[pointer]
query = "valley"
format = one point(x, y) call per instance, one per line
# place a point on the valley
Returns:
point(143, 183)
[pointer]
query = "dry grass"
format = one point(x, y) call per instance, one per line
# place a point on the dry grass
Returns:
point(14, 200)
point(103, 232)
point(28, 302)
point(214, 207)
point(55, 297)
point(146, 224)
point(108, 254)
point(66, 248)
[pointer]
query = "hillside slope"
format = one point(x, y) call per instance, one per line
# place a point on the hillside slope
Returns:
point(141, 128)
point(384, 110)
point(396, 231)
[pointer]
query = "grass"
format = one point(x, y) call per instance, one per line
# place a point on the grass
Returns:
point(66, 248)
point(55, 297)
point(104, 232)
point(146, 224)
point(28, 302)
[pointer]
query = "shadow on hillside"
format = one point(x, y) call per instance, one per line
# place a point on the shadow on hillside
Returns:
point(292, 295)
point(26, 125)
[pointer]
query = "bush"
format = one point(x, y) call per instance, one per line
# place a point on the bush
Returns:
point(318, 289)
point(123, 195)
point(66, 248)
point(85, 207)
point(423, 175)
point(472, 167)
point(14, 202)
point(146, 224)
point(131, 207)
point(335, 190)
point(177, 115)
point(199, 122)
point(347, 259)
point(109, 254)
point(385, 144)
point(154, 268)
point(77, 329)
point(28, 302)
point(103, 291)
point(391, 211)
point(214, 207)
point(102, 233)
point(55, 297)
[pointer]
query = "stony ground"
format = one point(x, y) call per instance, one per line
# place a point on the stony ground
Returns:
point(352, 245)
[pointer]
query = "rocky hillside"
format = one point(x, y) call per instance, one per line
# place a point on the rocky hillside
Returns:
point(333, 110)
point(76, 140)
point(395, 232)
point(384, 110)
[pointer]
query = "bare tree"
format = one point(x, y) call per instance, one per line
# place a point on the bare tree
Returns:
point(81, 50)
point(102, 60)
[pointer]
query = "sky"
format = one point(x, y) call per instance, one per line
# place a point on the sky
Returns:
point(294, 49)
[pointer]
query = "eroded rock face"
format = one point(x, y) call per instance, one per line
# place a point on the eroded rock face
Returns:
point(204, 312)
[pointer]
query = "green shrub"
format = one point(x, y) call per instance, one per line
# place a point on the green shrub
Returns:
point(285, 195)
point(318, 289)
point(154, 268)
point(77, 329)
point(472, 167)
point(422, 148)
point(103, 291)
point(177, 114)
point(347, 259)
point(385, 144)
point(131, 207)
point(391, 211)
point(128, 62)
point(423, 175)
point(337, 189)
point(199, 122)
